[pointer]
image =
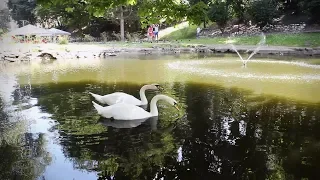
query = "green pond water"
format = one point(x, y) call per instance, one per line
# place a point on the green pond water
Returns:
point(256, 122)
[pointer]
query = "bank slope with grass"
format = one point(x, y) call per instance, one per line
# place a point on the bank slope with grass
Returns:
point(187, 35)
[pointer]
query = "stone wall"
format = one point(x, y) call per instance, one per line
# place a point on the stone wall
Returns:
point(254, 30)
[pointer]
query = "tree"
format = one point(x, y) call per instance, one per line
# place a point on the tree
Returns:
point(167, 11)
point(220, 12)
point(95, 8)
point(239, 8)
point(312, 8)
point(198, 13)
point(55, 16)
point(203, 8)
point(292, 6)
point(22, 10)
point(4, 20)
point(118, 15)
point(263, 12)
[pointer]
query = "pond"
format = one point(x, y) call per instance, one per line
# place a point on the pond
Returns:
point(261, 121)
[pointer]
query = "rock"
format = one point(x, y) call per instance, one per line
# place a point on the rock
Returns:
point(47, 56)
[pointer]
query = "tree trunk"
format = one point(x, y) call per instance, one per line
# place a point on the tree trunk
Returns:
point(121, 24)
point(204, 24)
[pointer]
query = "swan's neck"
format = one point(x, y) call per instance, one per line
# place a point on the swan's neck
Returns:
point(143, 95)
point(153, 106)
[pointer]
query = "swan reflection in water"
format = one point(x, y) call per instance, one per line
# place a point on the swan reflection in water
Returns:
point(120, 124)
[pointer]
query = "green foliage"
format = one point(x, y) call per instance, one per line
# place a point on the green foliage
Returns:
point(22, 10)
point(198, 13)
point(239, 8)
point(167, 11)
point(263, 12)
point(220, 12)
point(193, 2)
point(79, 14)
point(95, 8)
point(62, 15)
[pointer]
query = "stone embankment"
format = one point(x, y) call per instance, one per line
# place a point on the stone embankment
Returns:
point(49, 52)
point(250, 30)
point(45, 52)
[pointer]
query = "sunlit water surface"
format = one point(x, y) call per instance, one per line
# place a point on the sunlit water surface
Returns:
point(256, 122)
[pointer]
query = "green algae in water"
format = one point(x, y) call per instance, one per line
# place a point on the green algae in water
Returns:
point(293, 79)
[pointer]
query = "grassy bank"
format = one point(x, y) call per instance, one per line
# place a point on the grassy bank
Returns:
point(187, 35)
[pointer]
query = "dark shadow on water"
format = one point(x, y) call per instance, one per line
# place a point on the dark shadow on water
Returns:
point(223, 134)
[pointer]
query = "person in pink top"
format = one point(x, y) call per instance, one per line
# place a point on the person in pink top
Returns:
point(150, 33)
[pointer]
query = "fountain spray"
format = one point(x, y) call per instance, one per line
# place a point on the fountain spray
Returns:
point(261, 42)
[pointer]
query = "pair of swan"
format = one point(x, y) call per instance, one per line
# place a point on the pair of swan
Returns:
point(123, 106)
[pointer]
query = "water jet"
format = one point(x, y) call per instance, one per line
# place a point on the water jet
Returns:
point(261, 42)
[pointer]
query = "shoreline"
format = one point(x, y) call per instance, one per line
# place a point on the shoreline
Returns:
point(27, 52)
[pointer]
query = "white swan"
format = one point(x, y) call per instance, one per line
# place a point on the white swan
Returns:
point(118, 97)
point(124, 111)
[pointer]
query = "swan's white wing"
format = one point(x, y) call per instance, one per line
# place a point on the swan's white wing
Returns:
point(123, 111)
point(129, 99)
point(120, 97)
point(112, 98)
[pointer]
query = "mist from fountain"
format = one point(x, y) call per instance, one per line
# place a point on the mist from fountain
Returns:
point(261, 42)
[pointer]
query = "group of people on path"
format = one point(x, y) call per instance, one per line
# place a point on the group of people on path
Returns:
point(153, 32)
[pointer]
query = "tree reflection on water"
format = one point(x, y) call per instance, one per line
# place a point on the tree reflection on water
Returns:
point(224, 133)
point(22, 155)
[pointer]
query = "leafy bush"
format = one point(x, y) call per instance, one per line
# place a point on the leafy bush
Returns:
point(117, 35)
point(263, 12)
point(63, 40)
point(104, 36)
point(88, 38)
point(134, 37)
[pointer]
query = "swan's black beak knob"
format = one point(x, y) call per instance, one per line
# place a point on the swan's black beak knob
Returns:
point(176, 106)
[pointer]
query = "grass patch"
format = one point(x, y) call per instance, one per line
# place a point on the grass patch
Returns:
point(184, 33)
point(301, 39)
point(188, 35)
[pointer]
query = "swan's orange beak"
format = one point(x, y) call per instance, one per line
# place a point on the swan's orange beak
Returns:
point(176, 106)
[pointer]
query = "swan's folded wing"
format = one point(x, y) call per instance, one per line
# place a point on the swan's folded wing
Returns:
point(113, 98)
point(123, 111)
point(126, 98)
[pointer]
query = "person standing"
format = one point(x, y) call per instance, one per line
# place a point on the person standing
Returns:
point(150, 33)
point(198, 32)
point(156, 31)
